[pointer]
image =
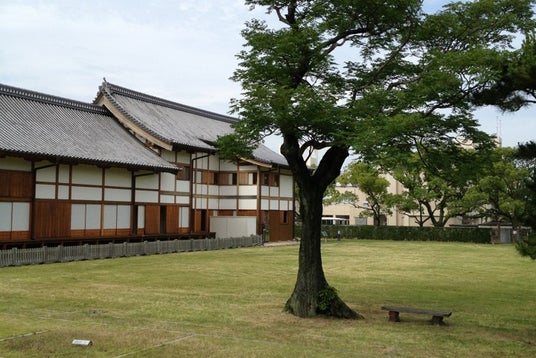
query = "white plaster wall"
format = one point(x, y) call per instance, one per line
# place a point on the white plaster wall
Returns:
point(227, 190)
point(213, 204)
point(46, 174)
point(247, 204)
point(86, 193)
point(167, 199)
point(201, 162)
point(85, 174)
point(183, 186)
point(182, 199)
point(63, 192)
point(227, 166)
point(117, 194)
point(214, 163)
point(45, 191)
point(168, 155)
point(167, 182)
point(10, 163)
point(227, 204)
point(146, 196)
point(247, 190)
point(200, 203)
point(213, 190)
point(233, 226)
point(147, 181)
point(64, 174)
point(118, 177)
point(285, 183)
point(201, 189)
point(183, 157)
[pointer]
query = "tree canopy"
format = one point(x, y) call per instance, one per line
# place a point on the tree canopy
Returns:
point(377, 200)
point(372, 78)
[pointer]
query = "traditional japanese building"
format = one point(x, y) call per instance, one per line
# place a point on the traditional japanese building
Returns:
point(128, 167)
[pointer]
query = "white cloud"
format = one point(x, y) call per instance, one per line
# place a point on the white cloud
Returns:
point(182, 50)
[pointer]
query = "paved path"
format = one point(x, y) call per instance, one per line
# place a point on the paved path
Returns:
point(281, 243)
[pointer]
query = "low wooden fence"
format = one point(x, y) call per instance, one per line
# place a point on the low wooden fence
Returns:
point(45, 255)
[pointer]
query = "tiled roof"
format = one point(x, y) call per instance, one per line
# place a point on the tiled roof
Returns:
point(176, 124)
point(45, 127)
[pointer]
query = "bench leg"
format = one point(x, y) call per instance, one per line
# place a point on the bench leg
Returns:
point(438, 320)
point(394, 316)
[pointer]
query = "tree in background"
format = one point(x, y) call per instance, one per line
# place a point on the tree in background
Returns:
point(378, 200)
point(526, 153)
point(368, 77)
point(501, 193)
point(436, 179)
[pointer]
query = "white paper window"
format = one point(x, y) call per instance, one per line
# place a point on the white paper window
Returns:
point(123, 216)
point(78, 217)
point(93, 217)
point(110, 216)
point(184, 220)
point(14, 216)
point(21, 217)
point(86, 217)
point(141, 217)
point(5, 216)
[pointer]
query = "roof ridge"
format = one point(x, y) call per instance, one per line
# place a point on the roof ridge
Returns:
point(51, 99)
point(167, 103)
point(106, 91)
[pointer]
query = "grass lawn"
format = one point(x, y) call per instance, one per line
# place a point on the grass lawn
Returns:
point(229, 303)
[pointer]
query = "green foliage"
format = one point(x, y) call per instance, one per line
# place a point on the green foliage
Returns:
point(527, 247)
point(501, 193)
point(326, 296)
point(526, 157)
point(408, 233)
point(369, 181)
point(515, 85)
point(372, 77)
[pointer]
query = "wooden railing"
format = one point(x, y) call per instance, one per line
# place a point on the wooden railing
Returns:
point(44, 255)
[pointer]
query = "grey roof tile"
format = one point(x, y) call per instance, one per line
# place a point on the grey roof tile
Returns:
point(41, 126)
point(177, 124)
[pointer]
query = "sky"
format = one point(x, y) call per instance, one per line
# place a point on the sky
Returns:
point(180, 50)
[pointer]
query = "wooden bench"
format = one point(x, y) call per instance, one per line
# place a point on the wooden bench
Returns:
point(437, 316)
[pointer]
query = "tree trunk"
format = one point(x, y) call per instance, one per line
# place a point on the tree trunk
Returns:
point(312, 294)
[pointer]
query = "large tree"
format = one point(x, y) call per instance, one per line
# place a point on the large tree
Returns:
point(361, 76)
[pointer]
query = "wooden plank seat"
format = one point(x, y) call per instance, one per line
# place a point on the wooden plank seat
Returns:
point(437, 315)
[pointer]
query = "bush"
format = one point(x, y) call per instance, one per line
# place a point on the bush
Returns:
point(409, 233)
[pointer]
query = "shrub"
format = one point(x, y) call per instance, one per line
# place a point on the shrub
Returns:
point(409, 233)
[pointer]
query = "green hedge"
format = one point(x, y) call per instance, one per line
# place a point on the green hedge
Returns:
point(456, 234)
